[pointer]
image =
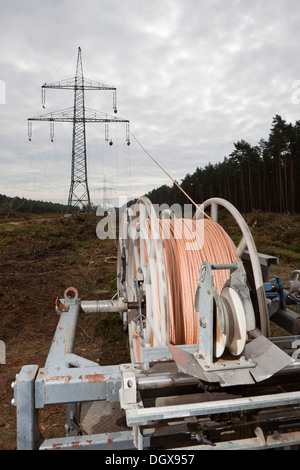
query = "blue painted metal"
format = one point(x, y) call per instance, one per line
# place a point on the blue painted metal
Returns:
point(274, 288)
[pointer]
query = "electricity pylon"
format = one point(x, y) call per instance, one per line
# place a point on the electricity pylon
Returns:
point(79, 115)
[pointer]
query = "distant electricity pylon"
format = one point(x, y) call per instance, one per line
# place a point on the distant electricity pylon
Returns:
point(79, 194)
point(107, 193)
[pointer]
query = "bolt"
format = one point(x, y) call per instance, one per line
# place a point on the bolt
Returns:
point(202, 275)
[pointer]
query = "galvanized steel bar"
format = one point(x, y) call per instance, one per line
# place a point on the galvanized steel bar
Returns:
point(104, 306)
point(70, 385)
point(165, 380)
point(137, 417)
point(64, 338)
point(28, 434)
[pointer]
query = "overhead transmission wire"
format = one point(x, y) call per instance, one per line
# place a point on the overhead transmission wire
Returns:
point(169, 176)
point(61, 66)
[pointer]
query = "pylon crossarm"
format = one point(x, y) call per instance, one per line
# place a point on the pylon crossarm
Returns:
point(67, 115)
point(71, 83)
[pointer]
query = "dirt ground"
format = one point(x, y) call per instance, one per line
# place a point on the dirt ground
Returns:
point(39, 259)
point(41, 256)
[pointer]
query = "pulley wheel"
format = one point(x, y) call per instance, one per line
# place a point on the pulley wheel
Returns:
point(235, 322)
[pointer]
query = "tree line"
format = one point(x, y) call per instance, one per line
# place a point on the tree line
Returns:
point(23, 205)
point(264, 177)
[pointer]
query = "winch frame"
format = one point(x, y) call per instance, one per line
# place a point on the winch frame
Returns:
point(70, 379)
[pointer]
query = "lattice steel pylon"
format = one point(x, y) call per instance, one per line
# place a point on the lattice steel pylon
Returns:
point(79, 115)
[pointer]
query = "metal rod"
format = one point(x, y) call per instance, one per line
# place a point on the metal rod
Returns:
point(166, 380)
point(137, 417)
point(104, 306)
point(109, 306)
point(178, 378)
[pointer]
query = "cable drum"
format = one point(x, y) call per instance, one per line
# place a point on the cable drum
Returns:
point(246, 242)
point(164, 258)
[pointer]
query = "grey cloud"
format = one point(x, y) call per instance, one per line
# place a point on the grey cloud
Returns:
point(193, 76)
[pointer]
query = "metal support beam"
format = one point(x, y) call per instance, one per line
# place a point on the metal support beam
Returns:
point(113, 441)
point(287, 319)
point(141, 416)
point(71, 385)
point(64, 338)
point(28, 434)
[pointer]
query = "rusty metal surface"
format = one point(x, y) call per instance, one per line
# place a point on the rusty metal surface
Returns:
point(71, 385)
point(114, 441)
point(60, 307)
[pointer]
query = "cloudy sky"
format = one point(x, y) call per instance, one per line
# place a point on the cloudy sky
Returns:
point(193, 76)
